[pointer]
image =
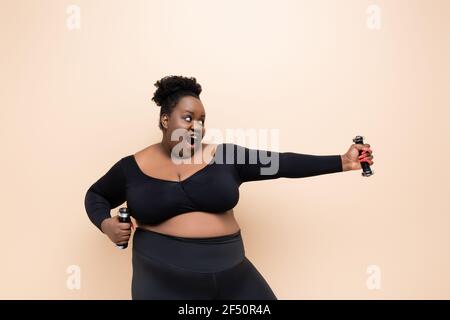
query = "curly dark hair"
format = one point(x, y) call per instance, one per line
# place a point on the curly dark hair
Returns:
point(171, 89)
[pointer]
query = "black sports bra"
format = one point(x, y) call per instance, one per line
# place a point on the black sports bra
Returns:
point(214, 188)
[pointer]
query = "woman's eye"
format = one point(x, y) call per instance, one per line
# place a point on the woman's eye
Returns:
point(203, 121)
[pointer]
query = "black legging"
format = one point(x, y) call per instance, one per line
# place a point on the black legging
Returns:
point(170, 267)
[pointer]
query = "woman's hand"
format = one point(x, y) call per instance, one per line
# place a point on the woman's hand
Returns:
point(351, 160)
point(118, 232)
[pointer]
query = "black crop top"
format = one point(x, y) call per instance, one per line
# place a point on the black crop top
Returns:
point(214, 188)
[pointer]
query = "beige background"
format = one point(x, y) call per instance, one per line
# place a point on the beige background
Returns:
point(74, 101)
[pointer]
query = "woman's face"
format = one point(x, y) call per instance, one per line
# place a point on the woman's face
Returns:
point(187, 119)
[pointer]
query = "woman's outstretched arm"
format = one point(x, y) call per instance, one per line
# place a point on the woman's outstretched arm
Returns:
point(257, 164)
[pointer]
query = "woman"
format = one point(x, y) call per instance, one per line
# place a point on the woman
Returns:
point(188, 244)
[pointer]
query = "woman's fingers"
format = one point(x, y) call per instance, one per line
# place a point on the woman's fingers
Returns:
point(123, 238)
point(365, 157)
point(365, 154)
point(124, 225)
point(370, 162)
point(123, 233)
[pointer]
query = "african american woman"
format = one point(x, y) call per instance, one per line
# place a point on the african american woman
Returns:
point(187, 243)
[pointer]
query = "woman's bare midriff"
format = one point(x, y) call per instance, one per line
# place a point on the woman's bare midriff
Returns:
point(197, 224)
point(192, 224)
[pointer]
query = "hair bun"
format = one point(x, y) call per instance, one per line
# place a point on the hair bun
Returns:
point(171, 85)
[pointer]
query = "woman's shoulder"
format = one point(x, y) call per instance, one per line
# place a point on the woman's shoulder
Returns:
point(150, 150)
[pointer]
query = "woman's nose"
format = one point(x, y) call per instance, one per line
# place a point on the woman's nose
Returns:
point(197, 124)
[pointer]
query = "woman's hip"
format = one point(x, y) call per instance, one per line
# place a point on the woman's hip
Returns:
point(210, 254)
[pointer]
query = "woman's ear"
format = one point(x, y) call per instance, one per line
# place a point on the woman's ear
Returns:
point(164, 120)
